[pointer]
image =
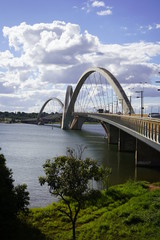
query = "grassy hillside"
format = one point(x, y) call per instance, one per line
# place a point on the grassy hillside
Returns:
point(126, 211)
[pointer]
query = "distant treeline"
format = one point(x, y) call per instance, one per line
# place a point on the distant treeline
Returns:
point(16, 116)
point(13, 117)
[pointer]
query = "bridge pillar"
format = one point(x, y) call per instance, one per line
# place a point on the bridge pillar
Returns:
point(77, 123)
point(113, 135)
point(146, 156)
point(112, 132)
point(66, 121)
point(126, 142)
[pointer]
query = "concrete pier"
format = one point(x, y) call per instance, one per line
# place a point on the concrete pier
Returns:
point(145, 155)
point(77, 123)
point(112, 133)
point(126, 142)
point(130, 134)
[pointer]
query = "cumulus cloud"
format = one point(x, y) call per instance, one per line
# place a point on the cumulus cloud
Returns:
point(47, 55)
point(92, 4)
point(157, 25)
point(104, 12)
point(98, 4)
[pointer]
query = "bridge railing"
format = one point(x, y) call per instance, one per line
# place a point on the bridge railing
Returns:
point(147, 127)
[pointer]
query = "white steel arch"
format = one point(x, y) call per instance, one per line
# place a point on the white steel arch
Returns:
point(44, 105)
point(110, 79)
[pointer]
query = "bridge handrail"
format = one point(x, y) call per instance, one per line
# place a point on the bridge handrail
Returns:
point(148, 127)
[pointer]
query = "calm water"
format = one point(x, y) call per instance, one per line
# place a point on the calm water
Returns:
point(26, 147)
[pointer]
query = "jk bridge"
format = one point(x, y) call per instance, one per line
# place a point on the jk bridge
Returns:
point(99, 96)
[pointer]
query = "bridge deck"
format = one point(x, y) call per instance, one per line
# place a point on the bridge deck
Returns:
point(146, 129)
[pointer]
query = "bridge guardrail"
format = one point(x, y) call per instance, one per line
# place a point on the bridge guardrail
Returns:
point(148, 127)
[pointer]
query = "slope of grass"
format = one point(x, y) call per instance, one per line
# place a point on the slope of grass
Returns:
point(126, 211)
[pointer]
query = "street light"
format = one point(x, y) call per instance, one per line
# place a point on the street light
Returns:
point(130, 99)
point(158, 81)
point(121, 99)
point(142, 107)
point(116, 106)
point(130, 110)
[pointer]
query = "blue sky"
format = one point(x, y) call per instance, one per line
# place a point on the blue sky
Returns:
point(129, 20)
point(46, 44)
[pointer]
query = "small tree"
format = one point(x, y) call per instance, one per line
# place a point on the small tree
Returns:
point(67, 178)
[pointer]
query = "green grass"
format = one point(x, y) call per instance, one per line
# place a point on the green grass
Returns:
point(127, 211)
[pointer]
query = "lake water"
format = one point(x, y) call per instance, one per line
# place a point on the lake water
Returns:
point(26, 147)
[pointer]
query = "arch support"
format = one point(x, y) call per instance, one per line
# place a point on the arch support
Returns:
point(66, 117)
point(44, 105)
point(110, 79)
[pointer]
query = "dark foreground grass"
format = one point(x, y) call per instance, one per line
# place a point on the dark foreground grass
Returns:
point(127, 211)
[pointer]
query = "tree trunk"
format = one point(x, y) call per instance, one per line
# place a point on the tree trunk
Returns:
point(74, 230)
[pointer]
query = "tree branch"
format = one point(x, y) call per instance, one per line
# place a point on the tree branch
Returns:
point(77, 211)
point(69, 207)
point(62, 211)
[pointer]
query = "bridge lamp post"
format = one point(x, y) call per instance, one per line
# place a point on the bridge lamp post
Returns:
point(141, 97)
point(158, 91)
point(116, 106)
point(130, 99)
point(158, 82)
point(158, 88)
point(130, 110)
point(121, 100)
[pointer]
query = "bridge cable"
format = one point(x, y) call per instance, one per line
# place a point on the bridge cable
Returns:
point(94, 92)
point(83, 98)
point(102, 92)
point(90, 96)
point(98, 92)
point(86, 100)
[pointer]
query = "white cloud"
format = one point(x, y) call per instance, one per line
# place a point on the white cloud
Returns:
point(150, 27)
point(55, 54)
point(124, 28)
point(89, 5)
point(104, 12)
point(145, 29)
point(157, 26)
point(98, 4)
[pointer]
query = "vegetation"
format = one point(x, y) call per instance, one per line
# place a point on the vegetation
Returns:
point(16, 116)
point(13, 117)
point(12, 201)
point(105, 174)
point(126, 211)
point(68, 178)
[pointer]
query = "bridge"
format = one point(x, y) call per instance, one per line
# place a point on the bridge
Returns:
point(99, 96)
point(42, 119)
